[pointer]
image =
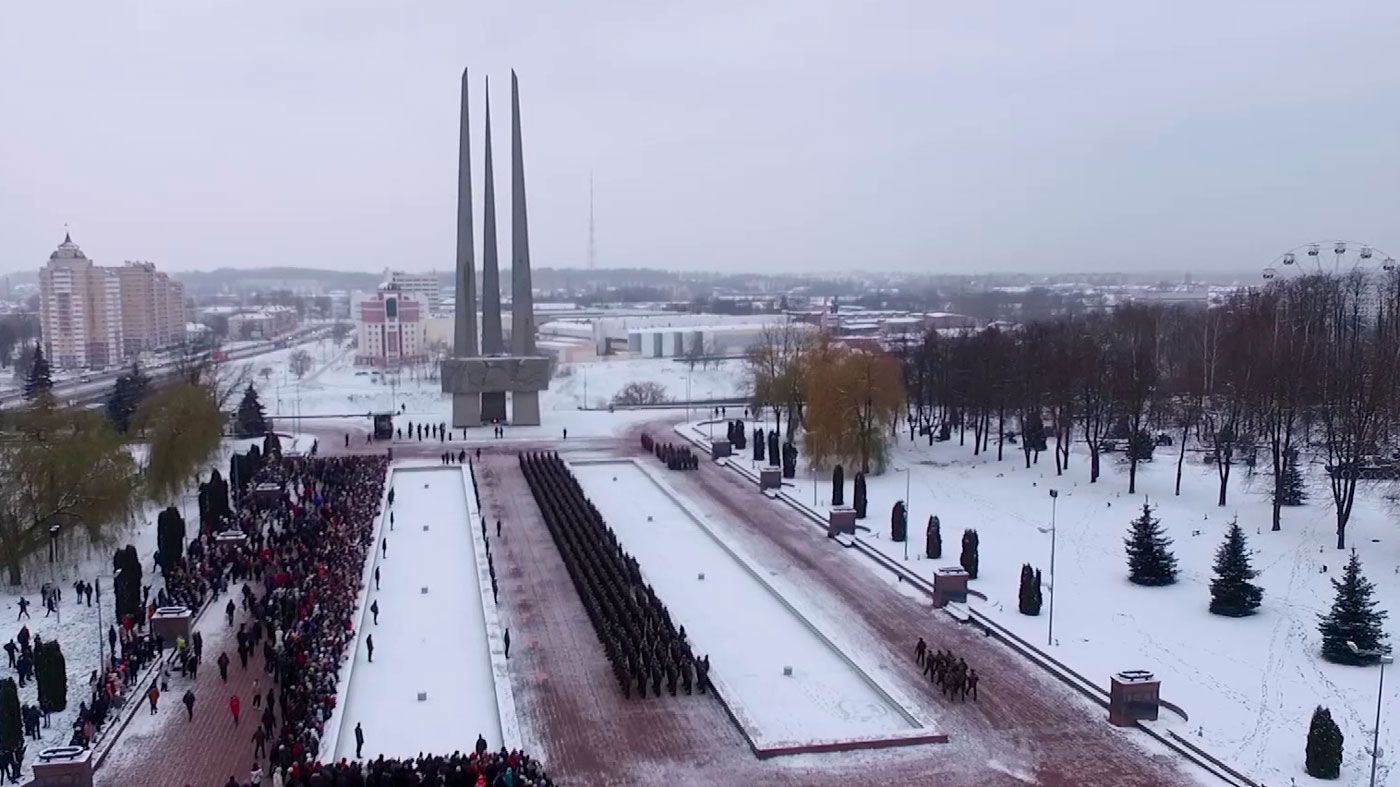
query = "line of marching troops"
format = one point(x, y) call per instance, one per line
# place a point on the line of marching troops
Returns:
point(634, 627)
point(947, 671)
point(676, 457)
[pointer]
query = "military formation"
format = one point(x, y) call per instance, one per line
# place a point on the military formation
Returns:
point(676, 457)
point(644, 646)
point(947, 671)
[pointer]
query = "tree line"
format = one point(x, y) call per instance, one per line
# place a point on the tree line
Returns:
point(1305, 367)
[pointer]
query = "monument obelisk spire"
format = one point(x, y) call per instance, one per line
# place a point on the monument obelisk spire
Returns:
point(464, 329)
point(491, 341)
point(522, 302)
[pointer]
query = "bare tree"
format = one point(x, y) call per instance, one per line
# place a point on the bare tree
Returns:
point(1135, 373)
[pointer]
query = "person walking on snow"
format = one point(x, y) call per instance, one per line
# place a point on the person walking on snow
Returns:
point(376, 577)
point(153, 695)
point(223, 667)
point(23, 608)
point(234, 706)
point(369, 646)
point(259, 742)
point(384, 545)
point(919, 651)
point(359, 740)
point(229, 610)
point(188, 699)
point(507, 642)
point(498, 528)
point(374, 610)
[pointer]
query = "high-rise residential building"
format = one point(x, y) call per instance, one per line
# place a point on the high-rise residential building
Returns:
point(153, 308)
point(80, 312)
point(421, 287)
point(94, 317)
point(390, 330)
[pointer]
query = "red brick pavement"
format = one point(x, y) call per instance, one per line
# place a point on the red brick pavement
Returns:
point(166, 750)
point(574, 715)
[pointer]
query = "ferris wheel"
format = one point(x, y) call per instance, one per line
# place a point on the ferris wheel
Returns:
point(1333, 257)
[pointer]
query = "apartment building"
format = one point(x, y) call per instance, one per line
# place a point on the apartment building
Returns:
point(389, 329)
point(421, 287)
point(79, 310)
point(152, 308)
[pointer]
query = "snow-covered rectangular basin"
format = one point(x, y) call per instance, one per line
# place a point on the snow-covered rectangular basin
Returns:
point(750, 633)
point(434, 642)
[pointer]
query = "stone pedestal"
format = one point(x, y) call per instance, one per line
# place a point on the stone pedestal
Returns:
point(63, 766)
point(720, 449)
point(949, 585)
point(1133, 696)
point(171, 623)
point(770, 478)
point(525, 408)
point(267, 494)
point(841, 520)
point(479, 386)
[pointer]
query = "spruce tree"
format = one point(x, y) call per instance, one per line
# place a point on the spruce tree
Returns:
point(170, 538)
point(859, 500)
point(1150, 561)
point(127, 584)
point(968, 559)
point(899, 522)
point(933, 540)
point(251, 420)
point(51, 673)
point(1324, 753)
point(11, 727)
point(1354, 618)
point(1231, 592)
point(39, 382)
point(128, 392)
point(774, 458)
point(758, 444)
point(838, 487)
point(1293, 492)
point(1028, 595)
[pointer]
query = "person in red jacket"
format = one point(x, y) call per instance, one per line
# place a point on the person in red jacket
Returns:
point(234, 706)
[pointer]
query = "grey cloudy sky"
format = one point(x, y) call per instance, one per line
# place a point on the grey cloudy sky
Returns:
point(820, 135)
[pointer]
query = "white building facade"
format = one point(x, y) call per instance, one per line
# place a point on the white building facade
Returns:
point(80, 311)
point(421, 287)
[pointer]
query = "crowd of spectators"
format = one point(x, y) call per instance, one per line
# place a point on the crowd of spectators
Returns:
point(484, 769)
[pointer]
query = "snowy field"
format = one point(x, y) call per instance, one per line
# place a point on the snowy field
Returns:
point(748, 631)
point(336, 387)
point(1249, 685)
point(434, 643)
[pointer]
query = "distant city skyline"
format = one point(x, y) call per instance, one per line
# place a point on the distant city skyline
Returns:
point(809, 136)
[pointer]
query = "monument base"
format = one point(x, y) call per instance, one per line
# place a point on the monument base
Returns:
point(479, 387)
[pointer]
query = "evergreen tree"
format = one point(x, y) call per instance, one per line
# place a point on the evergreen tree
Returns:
point(1150, 561)
point(127, 585)
point(859, 500)
point(1231, 592)
point(739, 440)
point(1028, 595)
point(1354, 618)
point(774, 458)
point(933, 540)
point(968, 559)
point(40, 380)
point(11, 727)
point(899, 522)
point(1293, 492)
point(1324, 754)
point(251, 420)
point(170, 538)
point(758, 444)
point(789, 460)
point(128, 392)
point(838, 487)
point(51, 673)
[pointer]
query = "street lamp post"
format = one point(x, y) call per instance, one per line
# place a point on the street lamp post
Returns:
point(97, 590)
point(1050, 629)
point(53, 580)
point(1381, 657)
point(905, 471)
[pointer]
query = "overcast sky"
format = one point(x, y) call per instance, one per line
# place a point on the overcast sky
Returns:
point(783, 135)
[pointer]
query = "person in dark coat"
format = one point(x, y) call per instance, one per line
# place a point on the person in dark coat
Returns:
point(369, 646)
point(359, 740)
point(507, 642)
point(919, 651)
point(223, 667)
point(480, 744)
point(374, 610)
point(189, 703)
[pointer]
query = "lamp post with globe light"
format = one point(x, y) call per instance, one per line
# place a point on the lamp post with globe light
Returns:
point(1383, 659)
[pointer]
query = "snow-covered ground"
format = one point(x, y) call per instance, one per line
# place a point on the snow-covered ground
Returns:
point(749, 632)
point(434, 642)
point(1249, 685)
point(336, 387)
